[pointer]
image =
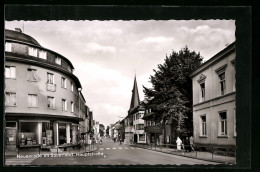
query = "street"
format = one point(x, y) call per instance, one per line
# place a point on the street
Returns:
point(115, 154)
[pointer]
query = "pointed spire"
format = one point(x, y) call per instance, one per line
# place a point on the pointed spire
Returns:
point(135, 96)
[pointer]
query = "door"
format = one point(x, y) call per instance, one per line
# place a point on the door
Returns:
point(135, 138)
point(11, 138)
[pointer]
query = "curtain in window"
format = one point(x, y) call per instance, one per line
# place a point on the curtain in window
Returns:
point(50, 78)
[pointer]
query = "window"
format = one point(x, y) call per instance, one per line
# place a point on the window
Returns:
point(141, 137)
point(72, 106)
point(32, 100)
point(222, 83)
point(64, 105)
point(8, 47)
point(10, 124)
point(223, 123)
point(10, 99)
point(202, 88)
point(203, 125)
point(139, 126)
point(42, 54)
point(58, 60)
point(50, 102)
point(32, 75)
point(50, 78)
point(33, 51)
point(71, 86)
point(10, 72)
point(63, 82)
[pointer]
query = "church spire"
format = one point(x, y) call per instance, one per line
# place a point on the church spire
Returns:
point(135, 96)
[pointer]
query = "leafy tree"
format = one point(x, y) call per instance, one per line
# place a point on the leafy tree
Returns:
point(171, 95)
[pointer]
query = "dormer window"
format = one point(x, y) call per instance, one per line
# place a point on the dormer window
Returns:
point(42, 54)
point(58, 60)
point(33, 51)
point(8, 47)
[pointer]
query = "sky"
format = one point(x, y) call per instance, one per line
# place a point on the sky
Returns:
point(107, 55)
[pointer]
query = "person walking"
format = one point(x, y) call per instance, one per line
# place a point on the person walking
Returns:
point(192, 143)
point(187, 146)
point(178, 142)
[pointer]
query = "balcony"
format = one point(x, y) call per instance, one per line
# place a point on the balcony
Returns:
point(51, 87)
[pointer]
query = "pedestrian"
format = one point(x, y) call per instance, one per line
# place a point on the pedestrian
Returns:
point(187, 146)
point(192, 143)
point(178, 142)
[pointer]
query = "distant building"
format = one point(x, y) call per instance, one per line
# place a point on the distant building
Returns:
point(214, 103)
point(43, 100)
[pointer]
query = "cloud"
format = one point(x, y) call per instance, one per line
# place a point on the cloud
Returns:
point(93, 47)
point(158, 39)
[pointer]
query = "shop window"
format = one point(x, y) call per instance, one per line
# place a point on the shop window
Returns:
point(58, 60)
point(141, 137)
point(203, 125)
point(8, 47)
point(50, 78)
point(10, 99)
point(32, 100)
point(223, 123)
point(32, 75)
point(10, 72)
point(42, 54)
point(50, 102)
point(64, 104)
point(33, 51)
point(63, 82)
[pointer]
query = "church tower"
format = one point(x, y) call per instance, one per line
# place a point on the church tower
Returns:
point(135, 100)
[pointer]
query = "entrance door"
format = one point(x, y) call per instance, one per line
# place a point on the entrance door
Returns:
point(62, 133)
point(135, 138)
point(11, 139)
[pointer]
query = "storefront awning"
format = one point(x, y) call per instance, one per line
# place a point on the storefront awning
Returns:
point(35, 116)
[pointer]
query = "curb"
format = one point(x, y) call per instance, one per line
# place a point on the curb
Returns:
point(210, 160)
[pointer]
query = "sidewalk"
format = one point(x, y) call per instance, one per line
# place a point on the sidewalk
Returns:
point(12, 154)
point(207, 156)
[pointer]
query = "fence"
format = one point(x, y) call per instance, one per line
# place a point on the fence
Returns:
point(225, 155)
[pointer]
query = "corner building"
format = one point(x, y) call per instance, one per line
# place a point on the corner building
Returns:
point(43, 100)
point(214, 103)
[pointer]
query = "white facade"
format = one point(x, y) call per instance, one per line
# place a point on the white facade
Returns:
point(138, 127)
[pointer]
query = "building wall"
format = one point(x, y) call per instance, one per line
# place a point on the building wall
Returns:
point(215, 103)
point(22, 88)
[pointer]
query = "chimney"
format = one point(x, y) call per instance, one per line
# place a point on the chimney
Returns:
point(18, 30)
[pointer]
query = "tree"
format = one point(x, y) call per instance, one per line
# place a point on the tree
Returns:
point(171, 95)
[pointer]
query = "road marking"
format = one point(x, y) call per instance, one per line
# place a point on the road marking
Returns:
point(108, 148)
point(114, 148)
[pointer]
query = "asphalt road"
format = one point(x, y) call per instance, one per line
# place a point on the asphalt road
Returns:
point(111, 153)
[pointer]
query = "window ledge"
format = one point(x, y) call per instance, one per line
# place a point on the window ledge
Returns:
point(10, 78)
point(10, 105)
point(203, 136)
point(222, 136)
point(32, 106)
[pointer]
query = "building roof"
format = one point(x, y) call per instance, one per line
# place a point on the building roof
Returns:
point(16, 35)
point(214, 59)
point(135, 100)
